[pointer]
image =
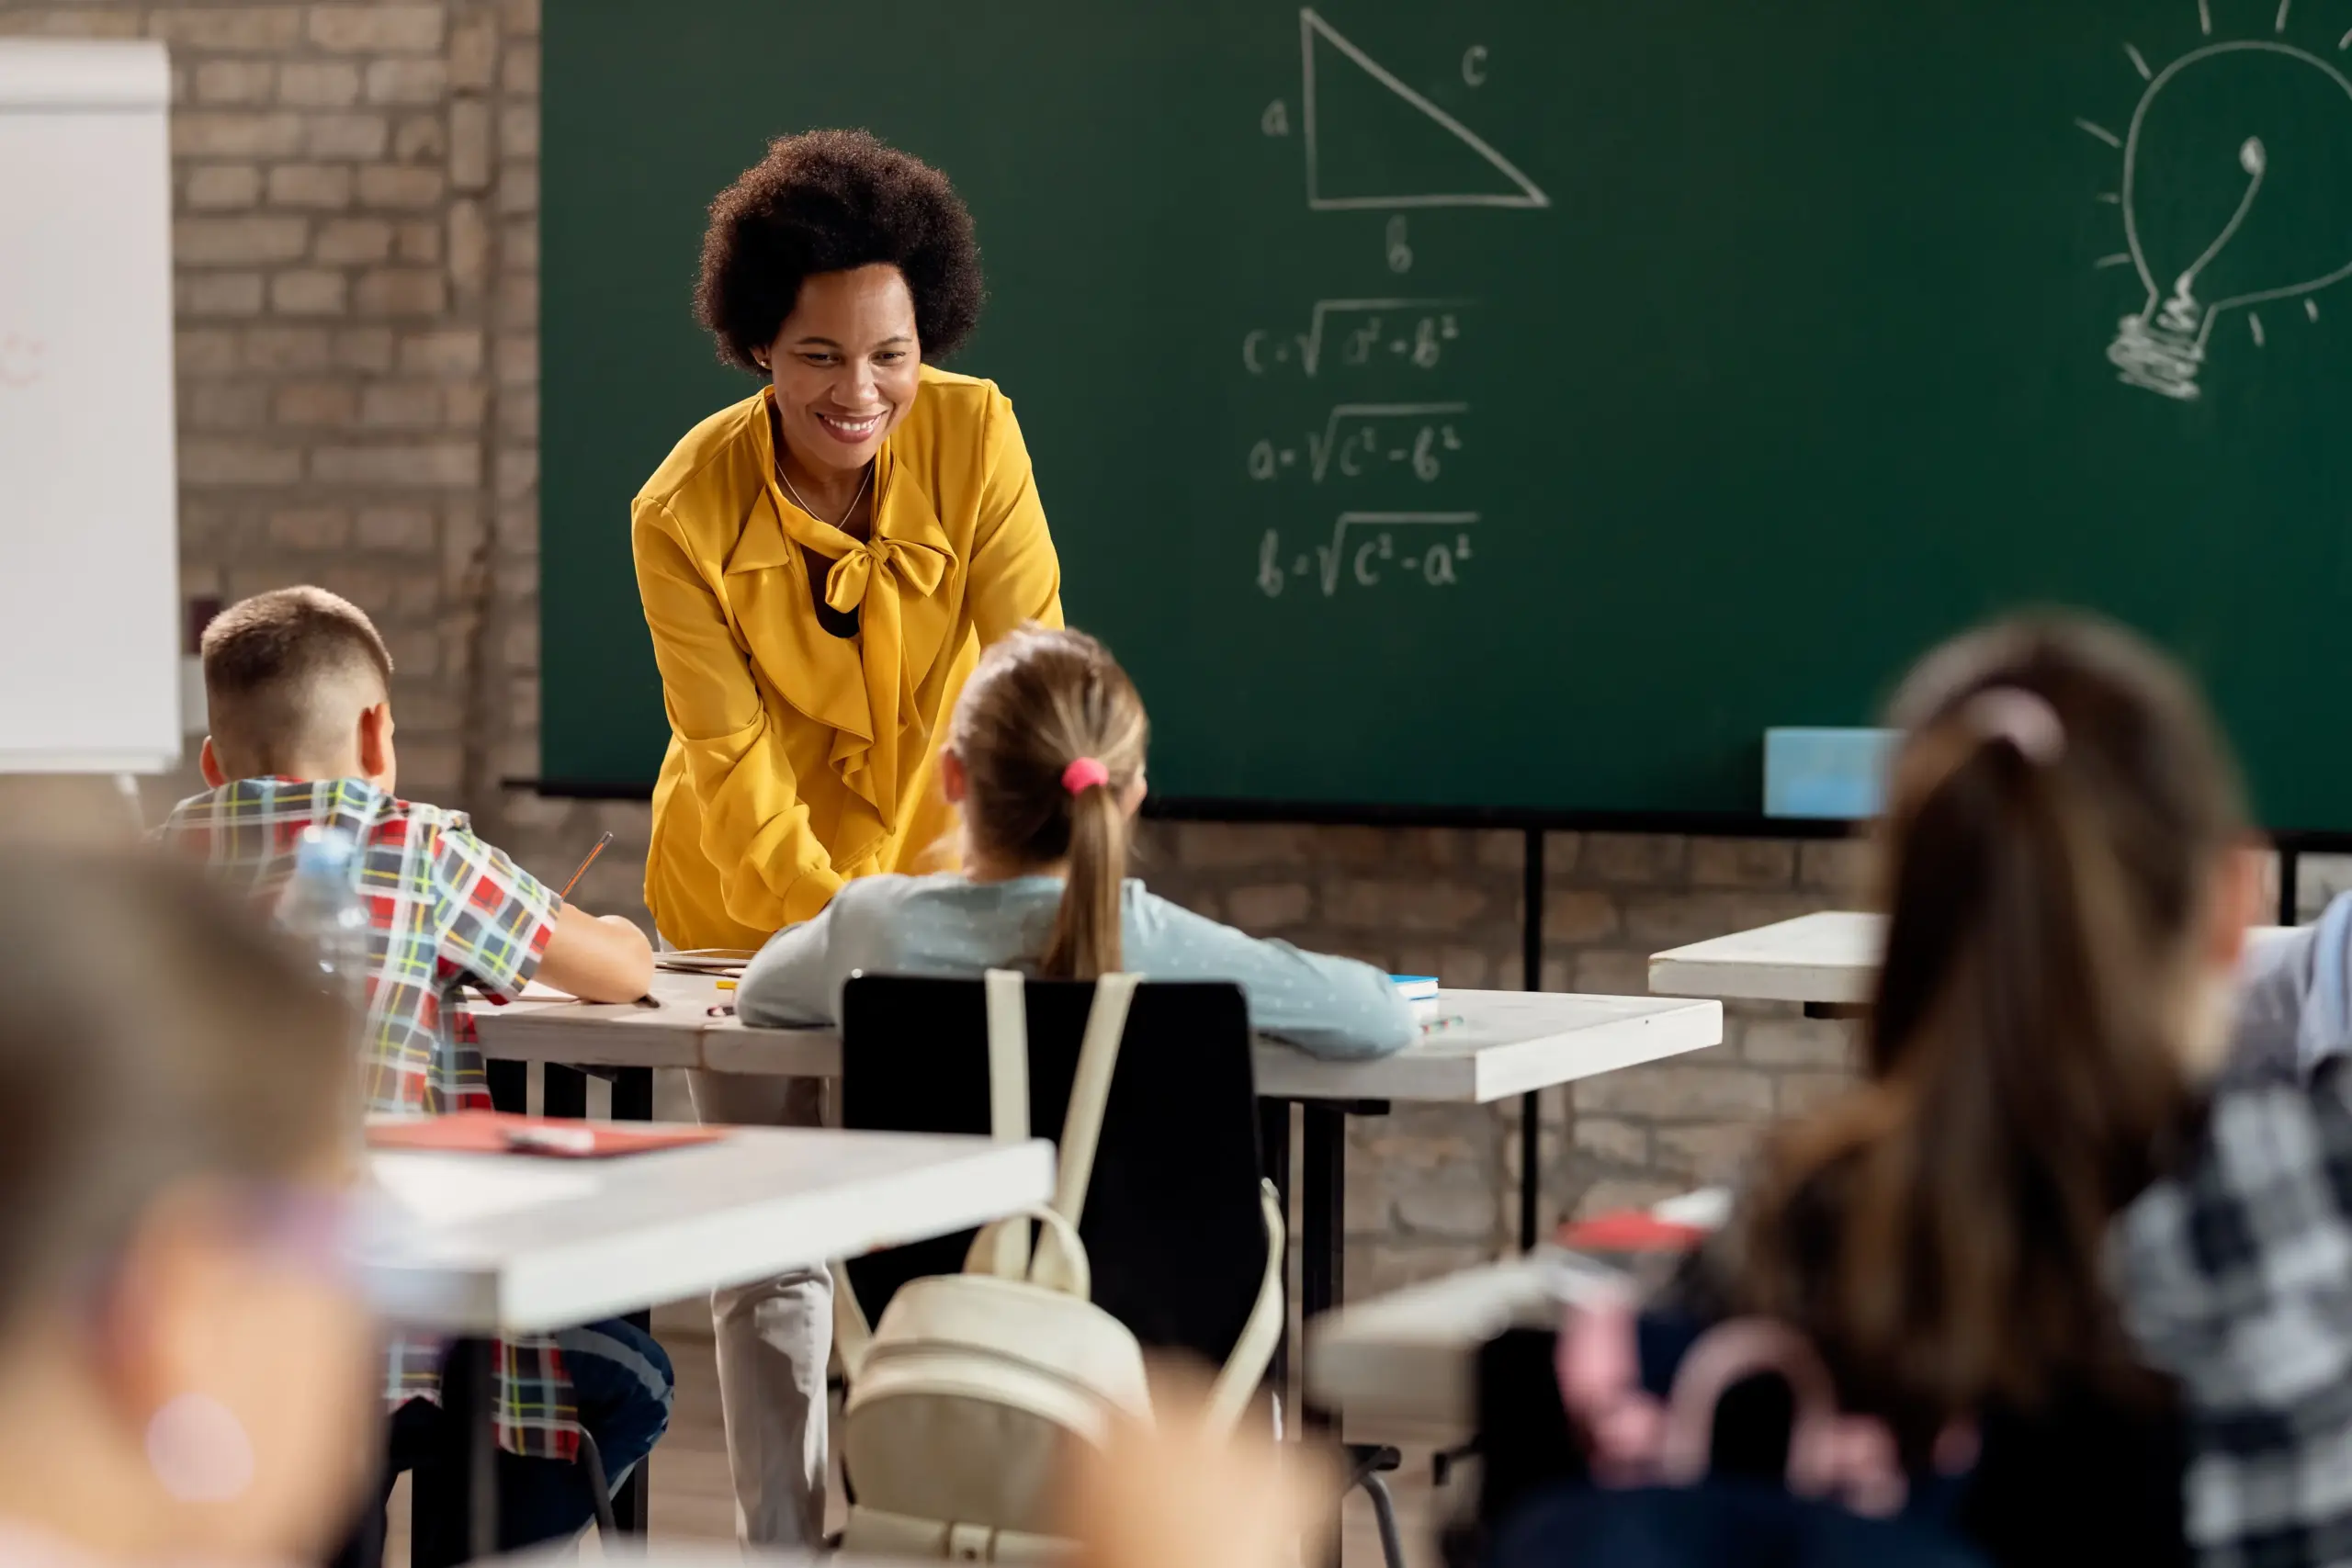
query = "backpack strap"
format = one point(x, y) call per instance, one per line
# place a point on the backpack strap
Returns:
point(1001, 1248)
point(853, 1335)
point(1089, 1089)
point(1061, 1257)
point(1850, 1458)
point(1008, 1007)
point(1060, 1263)
point(1253, 1352)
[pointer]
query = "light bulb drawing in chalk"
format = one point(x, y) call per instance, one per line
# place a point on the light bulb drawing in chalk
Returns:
point(2230, 197)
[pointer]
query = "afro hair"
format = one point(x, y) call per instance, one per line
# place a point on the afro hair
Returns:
point(830, 201)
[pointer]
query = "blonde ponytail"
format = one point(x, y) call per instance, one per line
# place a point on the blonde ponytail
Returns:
point(1052, 736)
point(1085, 941)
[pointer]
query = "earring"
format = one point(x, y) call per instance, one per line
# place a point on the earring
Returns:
point(198, 1449)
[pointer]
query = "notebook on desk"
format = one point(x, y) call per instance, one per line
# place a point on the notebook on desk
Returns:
point(705, 960)
point(498, 1133)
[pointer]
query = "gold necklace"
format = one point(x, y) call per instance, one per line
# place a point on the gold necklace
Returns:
point(785, 481)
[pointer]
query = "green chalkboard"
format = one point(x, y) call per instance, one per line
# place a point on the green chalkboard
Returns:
point(1524, 403)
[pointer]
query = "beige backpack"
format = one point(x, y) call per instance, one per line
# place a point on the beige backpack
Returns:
point(963, 1399)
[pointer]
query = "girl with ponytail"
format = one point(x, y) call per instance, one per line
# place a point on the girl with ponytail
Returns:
point(1044, 757)
point(2065, 893)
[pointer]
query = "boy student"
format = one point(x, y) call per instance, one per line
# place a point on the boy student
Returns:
point(297, 687)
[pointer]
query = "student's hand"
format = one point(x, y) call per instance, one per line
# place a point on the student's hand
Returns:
point(597, 958)
point(1174, 1494)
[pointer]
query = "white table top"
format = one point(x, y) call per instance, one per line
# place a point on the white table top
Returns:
point(1509, 1043)
point(485, 1243)
point(1830, 957)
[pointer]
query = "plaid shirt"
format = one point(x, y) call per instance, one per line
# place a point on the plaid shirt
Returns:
point(447, 911)
point(2235, 1275)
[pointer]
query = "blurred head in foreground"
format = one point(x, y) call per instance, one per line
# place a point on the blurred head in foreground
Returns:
point(186, 1370)
point(2067, 891)
point(1187, 1490)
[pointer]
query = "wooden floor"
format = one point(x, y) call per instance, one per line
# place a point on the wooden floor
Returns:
point(693, 1501)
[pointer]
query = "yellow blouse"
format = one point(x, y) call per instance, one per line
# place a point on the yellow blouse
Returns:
point(799, 759)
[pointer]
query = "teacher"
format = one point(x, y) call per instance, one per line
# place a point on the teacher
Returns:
point(820, 564)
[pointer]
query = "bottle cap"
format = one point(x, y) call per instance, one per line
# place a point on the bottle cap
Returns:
point(324, 851)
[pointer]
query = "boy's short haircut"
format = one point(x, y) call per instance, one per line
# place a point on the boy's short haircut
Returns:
point(280, 670)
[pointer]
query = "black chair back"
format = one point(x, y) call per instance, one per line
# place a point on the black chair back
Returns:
point(1172, 1223)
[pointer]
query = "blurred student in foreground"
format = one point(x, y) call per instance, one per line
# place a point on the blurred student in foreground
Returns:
point(1183, 1491)
point(2067, 892)
point(186, 1372)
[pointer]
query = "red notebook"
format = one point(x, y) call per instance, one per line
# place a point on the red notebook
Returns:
point(496, 1132)
point(1631, 1230)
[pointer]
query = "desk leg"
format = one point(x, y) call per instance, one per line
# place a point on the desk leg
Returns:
point(633, 1503)
point(1531, 900)
point(1531, 1166)
point(510, 1085)
point(563, 1091)
point(633, 1094)
point(472, 1496)
point(1323, 1240)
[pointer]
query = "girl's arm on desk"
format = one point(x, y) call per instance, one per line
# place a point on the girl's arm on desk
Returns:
point(789, 985)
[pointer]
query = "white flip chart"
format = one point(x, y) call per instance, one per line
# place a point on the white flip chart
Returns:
point(89, 534)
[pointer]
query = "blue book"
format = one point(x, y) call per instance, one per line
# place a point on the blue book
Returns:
point(1420, 992)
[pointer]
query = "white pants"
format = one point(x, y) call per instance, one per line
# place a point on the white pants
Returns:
point(775, 1340)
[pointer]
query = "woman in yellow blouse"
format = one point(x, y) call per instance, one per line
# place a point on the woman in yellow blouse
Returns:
point(820, 564)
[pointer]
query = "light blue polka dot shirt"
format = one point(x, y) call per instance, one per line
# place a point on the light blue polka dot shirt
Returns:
point(947, 925)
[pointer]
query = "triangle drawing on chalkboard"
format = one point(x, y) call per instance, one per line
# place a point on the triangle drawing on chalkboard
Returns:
point(1374, 142)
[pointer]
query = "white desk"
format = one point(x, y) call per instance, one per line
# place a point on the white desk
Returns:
point(1510, 1042)
point(1824, 960)
point(1830, 957)
point(489, 1244)
point(496, 1244)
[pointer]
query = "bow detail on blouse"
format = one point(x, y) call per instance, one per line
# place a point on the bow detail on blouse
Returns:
point(893, 579)
point(917, 567)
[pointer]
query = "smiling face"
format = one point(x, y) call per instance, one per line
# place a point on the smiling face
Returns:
point(846, 366)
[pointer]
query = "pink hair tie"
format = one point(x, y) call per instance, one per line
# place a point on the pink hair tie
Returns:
point(2025, 719)
point(1084, 773)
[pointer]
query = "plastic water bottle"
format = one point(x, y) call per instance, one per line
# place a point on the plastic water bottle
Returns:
point(322, 908)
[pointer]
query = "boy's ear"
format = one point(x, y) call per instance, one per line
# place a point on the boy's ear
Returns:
point(375, 743)
point(953, 780)
point(208, 763)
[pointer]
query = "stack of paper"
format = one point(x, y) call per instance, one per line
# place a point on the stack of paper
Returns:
point(705, 960)
point(1420, 992)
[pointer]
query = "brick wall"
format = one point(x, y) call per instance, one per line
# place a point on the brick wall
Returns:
point(355, 188)
point(1432, 1188)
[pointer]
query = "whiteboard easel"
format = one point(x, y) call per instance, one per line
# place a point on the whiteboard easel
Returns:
point(89, 529)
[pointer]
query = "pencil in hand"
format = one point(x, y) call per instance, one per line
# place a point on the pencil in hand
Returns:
point(597, 850)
